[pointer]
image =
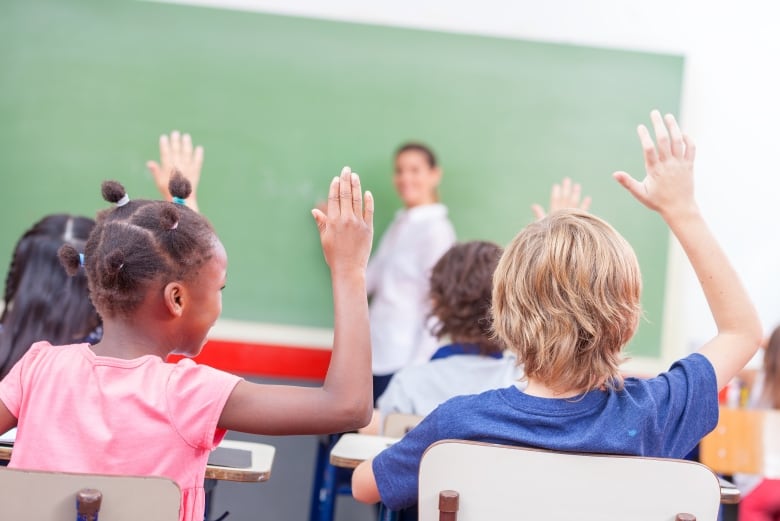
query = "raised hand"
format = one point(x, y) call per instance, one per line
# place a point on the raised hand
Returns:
point(177, 153)
point(346, 231)
point(564, 195)
point(668, 185)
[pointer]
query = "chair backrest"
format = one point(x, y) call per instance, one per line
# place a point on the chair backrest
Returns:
point(51, 496)
point(397, 424)
point(501, 482)
point(745, 441)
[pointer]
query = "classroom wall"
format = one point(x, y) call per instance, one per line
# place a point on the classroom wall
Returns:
point(730, 105)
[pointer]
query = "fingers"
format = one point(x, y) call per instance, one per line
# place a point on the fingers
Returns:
point(320, 218)
point(197, 160)
point(165, 152)
point(555, 197)
point(176, 148)
point(345, 191)
point(333, 198)
point(538, 211)
point(585, 206)
point(186, 149)
point(632, 185)
point(648, 148)
point(357, 202)
point(368, 209)
point(690, 148)
point(661, 135)
point(675, 135)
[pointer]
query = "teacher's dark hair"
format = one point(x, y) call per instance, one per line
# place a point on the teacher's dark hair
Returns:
point(425, 150)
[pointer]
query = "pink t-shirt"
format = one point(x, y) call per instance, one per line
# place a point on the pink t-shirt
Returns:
point(79, 412)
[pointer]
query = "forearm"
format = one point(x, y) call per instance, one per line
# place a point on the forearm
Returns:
point(729, 303)
point(739, 328)
point(348, 381)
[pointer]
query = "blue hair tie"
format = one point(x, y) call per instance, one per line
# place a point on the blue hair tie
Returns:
point(81, 259)
point(178, 200)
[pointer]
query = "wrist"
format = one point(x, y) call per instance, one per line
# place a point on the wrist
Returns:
point(681, 212)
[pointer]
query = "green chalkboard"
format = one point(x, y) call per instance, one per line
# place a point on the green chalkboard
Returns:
point(281, 103)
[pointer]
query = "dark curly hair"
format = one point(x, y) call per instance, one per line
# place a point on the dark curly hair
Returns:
point(140, 244)
point(461, 291)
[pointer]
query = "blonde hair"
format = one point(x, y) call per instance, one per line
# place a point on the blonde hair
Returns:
point(566, 299)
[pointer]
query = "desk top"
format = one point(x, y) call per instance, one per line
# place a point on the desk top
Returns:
point(262, 461)
point(353, 449)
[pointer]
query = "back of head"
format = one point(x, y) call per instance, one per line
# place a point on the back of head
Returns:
point(461, 286)
point(772, 370)
point(566, 299)
point(139, 245)
point(41, 301)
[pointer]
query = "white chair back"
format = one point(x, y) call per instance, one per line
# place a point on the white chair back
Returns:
point(51, 496)
point(501, 482)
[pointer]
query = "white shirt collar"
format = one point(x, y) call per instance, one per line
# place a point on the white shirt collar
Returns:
point(423, 212)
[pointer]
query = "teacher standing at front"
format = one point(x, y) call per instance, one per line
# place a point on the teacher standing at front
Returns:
point(397, 275)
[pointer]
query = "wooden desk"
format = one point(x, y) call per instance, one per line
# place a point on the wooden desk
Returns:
point(353, 449)
point(262, 461)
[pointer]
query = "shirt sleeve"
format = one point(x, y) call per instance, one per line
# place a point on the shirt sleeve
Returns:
point(196, 395)
point(13, 385)
point(396, 469)
point(687, 401)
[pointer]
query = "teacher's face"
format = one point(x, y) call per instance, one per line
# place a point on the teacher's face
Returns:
point(415, 180)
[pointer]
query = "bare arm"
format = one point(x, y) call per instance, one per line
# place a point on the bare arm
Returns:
point(344, 401)
point(7, 420)
point(177, 153)
point(364, 487)
point(668, 189)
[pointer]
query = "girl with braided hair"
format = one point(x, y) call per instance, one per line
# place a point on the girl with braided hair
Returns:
point(41, 301)
point(155, 271)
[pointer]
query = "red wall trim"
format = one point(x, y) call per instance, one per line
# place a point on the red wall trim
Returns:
point(297, 363)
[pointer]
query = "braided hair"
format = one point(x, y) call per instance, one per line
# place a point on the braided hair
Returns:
point(41, 302)
point(139, 245)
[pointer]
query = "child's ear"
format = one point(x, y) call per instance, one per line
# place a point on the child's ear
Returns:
point(173, 295)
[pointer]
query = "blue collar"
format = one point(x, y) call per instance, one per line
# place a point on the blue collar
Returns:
point(461, 349)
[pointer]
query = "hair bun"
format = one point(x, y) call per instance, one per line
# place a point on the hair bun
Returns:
point(113, 264)
point(179, 186)
point(70, 259)
point(113, 191)
point(169, 217)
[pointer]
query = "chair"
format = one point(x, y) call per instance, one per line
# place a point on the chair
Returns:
point(478, 481)
point(397, 424)
point(51, 496)
point(745, 441)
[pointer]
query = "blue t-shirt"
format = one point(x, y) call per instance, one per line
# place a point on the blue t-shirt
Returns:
point(665, 416)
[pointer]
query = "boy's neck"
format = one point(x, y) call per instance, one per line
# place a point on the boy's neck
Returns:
point(538, 389)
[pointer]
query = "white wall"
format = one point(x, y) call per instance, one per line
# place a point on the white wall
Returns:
point(731, 105)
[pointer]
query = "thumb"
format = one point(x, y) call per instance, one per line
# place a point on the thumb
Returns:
point(320, 219)
point(154, 168)
point(636, 188)
point(538, 211)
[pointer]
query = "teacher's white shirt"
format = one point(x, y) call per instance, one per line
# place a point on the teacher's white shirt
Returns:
point(398, 280)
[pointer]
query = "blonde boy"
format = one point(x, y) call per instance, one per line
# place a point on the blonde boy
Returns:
point(566, 300)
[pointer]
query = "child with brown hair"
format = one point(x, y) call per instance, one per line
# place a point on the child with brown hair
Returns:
point(566, 300)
